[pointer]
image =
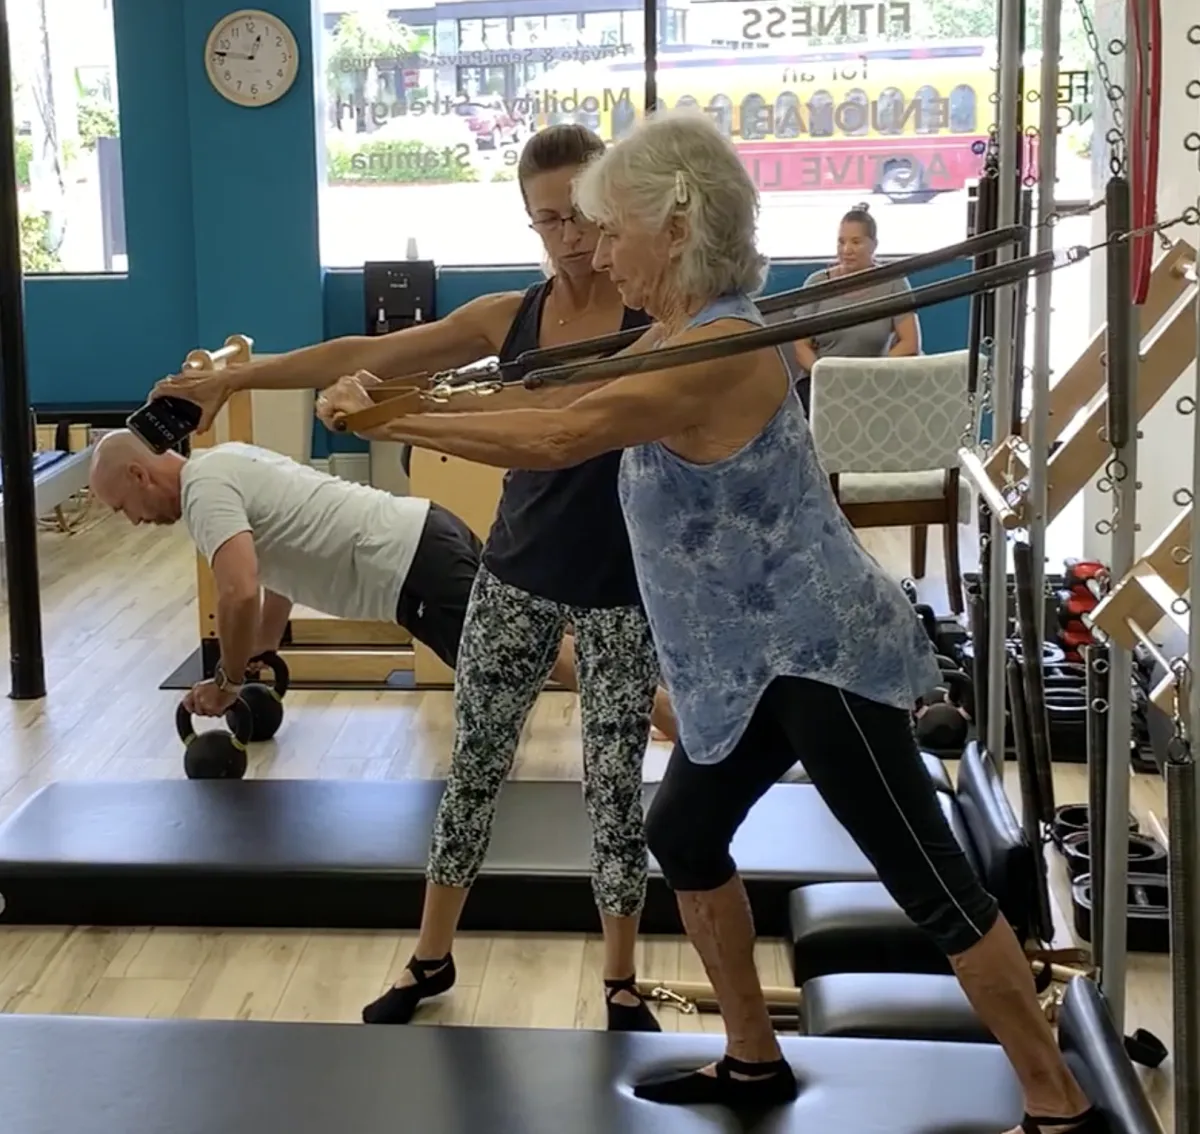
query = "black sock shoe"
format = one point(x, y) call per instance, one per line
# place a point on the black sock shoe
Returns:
point(1091, 1121)
point(628, 1017)
point(773, 1084)
point(397, 1005)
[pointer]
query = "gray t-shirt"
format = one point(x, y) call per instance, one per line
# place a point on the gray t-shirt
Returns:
point(863, 340)
point(326, 543)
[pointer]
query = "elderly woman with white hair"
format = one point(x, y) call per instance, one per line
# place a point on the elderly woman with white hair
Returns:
point(780, 638)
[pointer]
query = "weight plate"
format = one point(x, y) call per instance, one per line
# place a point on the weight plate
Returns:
point(1072, 817)
point(1146, 856)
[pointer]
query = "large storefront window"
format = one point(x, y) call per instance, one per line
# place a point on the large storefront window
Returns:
point(828, 106)
point(427, 111)
point(68, 152)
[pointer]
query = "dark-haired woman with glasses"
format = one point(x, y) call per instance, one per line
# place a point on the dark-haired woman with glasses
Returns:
point(900, 337)
point(558, 555)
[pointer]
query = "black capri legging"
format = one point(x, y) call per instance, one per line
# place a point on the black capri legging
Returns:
point(863, 759)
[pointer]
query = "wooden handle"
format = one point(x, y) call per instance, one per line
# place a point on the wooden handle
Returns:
point(379, 414)
point(237, 348)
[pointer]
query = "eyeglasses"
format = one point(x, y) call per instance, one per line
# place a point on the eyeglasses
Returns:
point(556, 224)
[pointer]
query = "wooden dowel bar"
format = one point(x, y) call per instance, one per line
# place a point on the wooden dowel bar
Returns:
point(1004, 512)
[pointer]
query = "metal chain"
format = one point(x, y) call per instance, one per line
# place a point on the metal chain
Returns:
point(1117, 162)
point(1191, 141)
point(1116, 472)
point(1159, 228)
point(1181, 671)
point(975, 419)
point(1189, 216)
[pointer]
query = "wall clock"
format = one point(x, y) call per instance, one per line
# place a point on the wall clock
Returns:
point(252, 57)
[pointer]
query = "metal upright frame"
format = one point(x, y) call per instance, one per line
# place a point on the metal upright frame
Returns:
point(1123, 342)
point(1039, 409)
point(1145, 591)
point(1183, 814)
point(1137, 603)
point(1183, 811)
point(1011, 13)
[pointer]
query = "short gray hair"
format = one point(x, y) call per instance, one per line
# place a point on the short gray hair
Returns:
point(678, 161)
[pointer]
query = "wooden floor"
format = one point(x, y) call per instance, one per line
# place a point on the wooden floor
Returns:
point(119, 615)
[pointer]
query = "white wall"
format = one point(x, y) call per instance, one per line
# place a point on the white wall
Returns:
point(1165, 449)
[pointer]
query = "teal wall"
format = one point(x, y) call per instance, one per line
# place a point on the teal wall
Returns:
point(221, 223)
point(221, 218)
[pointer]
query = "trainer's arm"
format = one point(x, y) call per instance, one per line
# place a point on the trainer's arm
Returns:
point(235, 569)
point(273, 620)
point(516, 396)
point(633, 410)
point(467, 334)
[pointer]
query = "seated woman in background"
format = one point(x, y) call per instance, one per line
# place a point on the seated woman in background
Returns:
point(896, 338)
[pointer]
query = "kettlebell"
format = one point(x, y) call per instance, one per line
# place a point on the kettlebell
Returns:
point(265, 701)
point(942, 721)
point(927, 619)
point(215, 754)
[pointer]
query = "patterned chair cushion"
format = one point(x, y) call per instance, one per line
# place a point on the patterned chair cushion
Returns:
point(890, 488)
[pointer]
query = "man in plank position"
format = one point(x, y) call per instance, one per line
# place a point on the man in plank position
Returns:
point(265, 522)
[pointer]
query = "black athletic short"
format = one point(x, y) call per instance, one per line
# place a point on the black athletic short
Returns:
point(433, 600)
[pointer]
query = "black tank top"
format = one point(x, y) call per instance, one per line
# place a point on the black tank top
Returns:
point(561, 534)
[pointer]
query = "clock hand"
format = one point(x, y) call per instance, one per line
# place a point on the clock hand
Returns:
point(231, 55)
point(257, 45)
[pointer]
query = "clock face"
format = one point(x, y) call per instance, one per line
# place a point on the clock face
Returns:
point(251, 58)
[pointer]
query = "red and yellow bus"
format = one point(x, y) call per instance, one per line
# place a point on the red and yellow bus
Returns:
point(907, 121)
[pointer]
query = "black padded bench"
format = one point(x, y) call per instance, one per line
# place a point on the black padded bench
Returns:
point(112, 1076)
point(344, 854)
point(330, 854)
point(854, 926)
point(924, 1006)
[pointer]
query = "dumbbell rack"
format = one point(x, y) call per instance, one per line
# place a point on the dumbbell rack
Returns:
point(1064, 680)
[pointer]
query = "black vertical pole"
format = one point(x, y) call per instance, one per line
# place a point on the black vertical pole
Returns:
point(650, 34)
point(16, 443)
point(981, 324)
point(1121, 331)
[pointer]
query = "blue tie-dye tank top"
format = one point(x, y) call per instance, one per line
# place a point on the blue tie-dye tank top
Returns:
point(749, 571)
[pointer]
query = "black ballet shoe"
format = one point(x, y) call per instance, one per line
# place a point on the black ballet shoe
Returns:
point(1091, 1121)
point(397, 1005)
point(773, 1084)
point(628, 1017)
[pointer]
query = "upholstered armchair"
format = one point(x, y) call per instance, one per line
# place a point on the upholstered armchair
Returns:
point(888, 431)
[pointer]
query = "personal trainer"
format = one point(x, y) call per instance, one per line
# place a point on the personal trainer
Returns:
point(558, 554)
point(758, 591)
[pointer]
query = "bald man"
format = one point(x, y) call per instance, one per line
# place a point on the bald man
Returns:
point(265, 523)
